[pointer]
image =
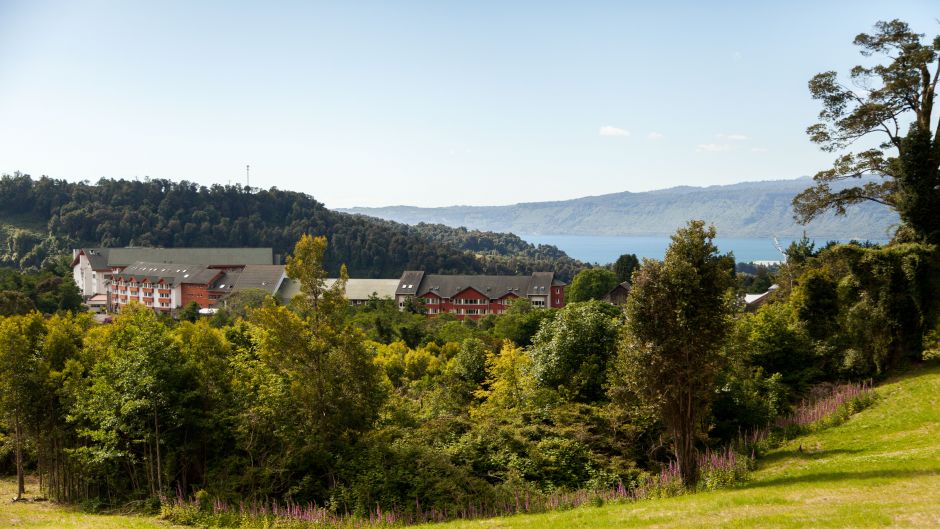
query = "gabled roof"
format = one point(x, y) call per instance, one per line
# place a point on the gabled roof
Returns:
point(97, 257)
point(622, 286)
point(492, 286)
point(409, 283)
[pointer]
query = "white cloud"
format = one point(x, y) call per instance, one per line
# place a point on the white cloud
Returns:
point(609, 130)
point(655, 136)
point(737, 56)
point(733, 137)
point(759, 149)
point(713, 147)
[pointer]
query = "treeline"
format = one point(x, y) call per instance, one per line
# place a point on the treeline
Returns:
point(48, 290)
point(184, 214)
point(358, 407)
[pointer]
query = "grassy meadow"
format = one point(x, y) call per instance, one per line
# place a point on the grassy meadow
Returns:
point(879, 469)
point(48, 515)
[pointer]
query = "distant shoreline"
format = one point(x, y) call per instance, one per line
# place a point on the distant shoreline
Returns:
point(605, 249)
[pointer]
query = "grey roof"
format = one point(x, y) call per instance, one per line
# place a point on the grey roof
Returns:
point(97, 257)
point(174, 274)
point(356, 289)
point(102, 258)
point(409, 283)
point(359, 289)
point(541, 283)
point(625, 286)
point(262, 277)
point(494, 287)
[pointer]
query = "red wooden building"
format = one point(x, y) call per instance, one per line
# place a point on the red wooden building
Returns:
point(475, 296)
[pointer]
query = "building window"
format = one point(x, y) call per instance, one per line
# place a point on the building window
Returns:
point(471, 301)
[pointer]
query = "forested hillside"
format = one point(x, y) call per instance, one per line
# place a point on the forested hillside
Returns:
point(45, 217)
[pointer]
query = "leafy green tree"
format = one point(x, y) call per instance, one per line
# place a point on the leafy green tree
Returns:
point(190, 312)
point(678, 317)
point(509, 380)
point(520, 322)
point(240, 303)
point(571, 352)
point(20, 338)
point(58, 360)
point(13, 302)
point(816, 302)
point(883, 98)
point(470, 362)
point(593, 283)
point(625, 265)
point(774, 341)
point(888, 303)
point(138, 397)
point(322, 362)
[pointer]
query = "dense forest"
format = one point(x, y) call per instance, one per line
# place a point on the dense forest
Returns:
point(56, 215)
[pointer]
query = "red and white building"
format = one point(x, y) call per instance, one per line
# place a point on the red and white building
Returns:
point(166, 287)
point(475, 296)
point(169, 278)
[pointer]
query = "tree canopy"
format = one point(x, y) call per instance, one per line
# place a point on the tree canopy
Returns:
point(885, 116)
point(593, 283)
point(678, 317)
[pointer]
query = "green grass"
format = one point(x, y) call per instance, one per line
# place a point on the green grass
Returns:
point(879, 469)
point(48, 515)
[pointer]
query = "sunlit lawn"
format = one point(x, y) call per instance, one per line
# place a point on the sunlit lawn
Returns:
point(47, 515)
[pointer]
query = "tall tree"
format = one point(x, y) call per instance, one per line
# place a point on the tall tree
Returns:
point(312, 350)
point(678, 317)
point(20, 337)
point(570, 353)
point(625, 265)
point(593, 283)
point(903, 170)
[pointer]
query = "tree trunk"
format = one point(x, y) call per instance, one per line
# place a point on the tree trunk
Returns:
point(20, 478)
point(686, 456)
point(156, 426)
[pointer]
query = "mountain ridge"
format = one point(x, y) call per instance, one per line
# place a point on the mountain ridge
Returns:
point(743, 209)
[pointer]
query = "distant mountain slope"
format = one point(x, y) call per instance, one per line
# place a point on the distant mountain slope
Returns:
point(749, 209)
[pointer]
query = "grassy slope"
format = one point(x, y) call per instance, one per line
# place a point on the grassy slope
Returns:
point(880, 469)
point(47, 515)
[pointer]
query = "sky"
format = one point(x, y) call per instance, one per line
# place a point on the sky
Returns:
point(425, 103)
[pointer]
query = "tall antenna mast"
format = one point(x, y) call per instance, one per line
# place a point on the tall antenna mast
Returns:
point(248, 177)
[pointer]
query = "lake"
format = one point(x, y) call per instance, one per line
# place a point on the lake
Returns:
point(607, 248)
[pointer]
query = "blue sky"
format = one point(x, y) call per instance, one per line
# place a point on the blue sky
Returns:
point(424, 103)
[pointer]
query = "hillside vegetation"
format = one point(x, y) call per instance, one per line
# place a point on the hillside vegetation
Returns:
point(879, 469)
point(46, 217)
point(749, 209)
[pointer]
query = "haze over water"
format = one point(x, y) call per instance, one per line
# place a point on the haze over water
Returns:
point(606, 248)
